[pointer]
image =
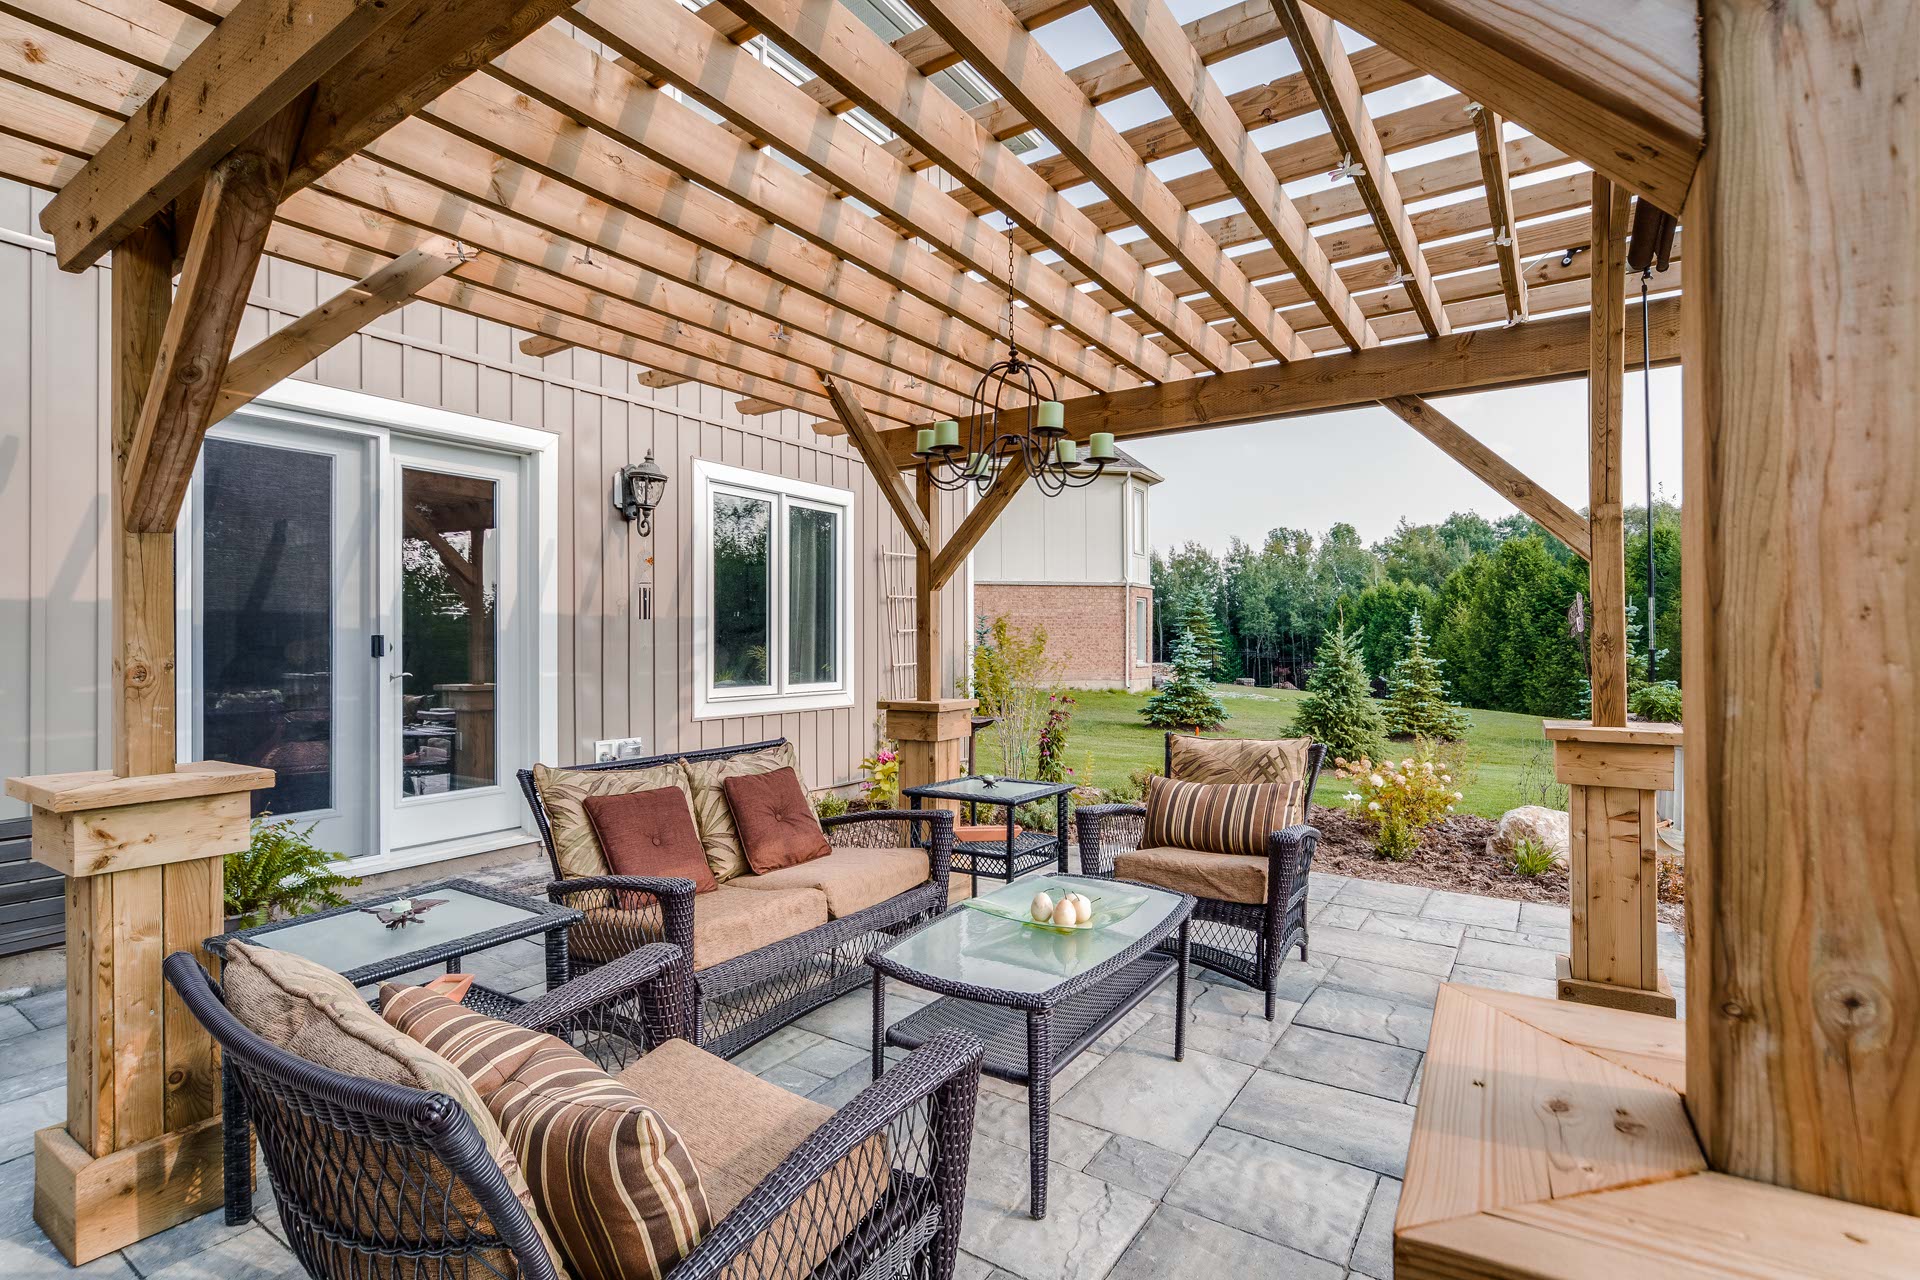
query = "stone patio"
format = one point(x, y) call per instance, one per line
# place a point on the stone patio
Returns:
point(1274, 1150)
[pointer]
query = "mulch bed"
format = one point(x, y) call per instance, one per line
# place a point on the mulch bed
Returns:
point(1453, 855)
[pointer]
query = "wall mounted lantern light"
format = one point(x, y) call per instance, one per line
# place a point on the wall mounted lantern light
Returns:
point(637, 490)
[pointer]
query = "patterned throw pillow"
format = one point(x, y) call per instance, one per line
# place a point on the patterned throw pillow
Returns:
point(1217, 817)
point(614, 1183)
point(1280, 760)
point(564, 792)
point(718, 831)
point(778, 827)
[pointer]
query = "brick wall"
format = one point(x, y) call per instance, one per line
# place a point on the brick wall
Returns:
point(1090, 629)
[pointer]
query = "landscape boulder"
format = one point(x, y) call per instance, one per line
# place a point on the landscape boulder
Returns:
point(1545, 827)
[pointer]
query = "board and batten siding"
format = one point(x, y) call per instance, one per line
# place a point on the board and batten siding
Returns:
point(619, 676)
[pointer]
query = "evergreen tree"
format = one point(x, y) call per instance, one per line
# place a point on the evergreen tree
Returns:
point(1417, 703)
point(1338, 710)
point(1186, 701)
point(1196, 624)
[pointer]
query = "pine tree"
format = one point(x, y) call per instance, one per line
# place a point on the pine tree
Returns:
point(1338, 710)
point(1186, 701)
point(1417, 702)
point(1197, 623)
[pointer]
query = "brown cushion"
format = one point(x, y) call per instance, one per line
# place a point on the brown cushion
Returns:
point(563, 793)
point(1217, 817)
point(1281, 760)
point(853, 878)
point(777, 825)
point(1228, 877)
point(728, 922)
point(617, 1188)
point(650, 833)
point(312, 1012)
point(739, 1128)
point(710, 813)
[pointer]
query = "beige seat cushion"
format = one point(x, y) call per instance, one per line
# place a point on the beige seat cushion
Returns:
point(718, 832)
point(852, 878)
point(1280, 760)
point(738, 1129)
point(1230, 877)
point(564, 792)
point(310, 1011)
point(728, 922)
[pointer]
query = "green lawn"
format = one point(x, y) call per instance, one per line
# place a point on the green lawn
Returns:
point(1506, 755)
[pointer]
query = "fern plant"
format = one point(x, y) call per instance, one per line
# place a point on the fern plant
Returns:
point(1531, 858)
point(282, 873)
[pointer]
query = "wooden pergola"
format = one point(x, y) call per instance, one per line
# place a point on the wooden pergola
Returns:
point(846, 247)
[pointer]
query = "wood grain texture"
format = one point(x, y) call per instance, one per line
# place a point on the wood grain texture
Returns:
point(1555, 516)
point(99, 788)
point(90, 1205)
point(1606, 389)
point(91, 842)
point(893, 486)
point(90, 1021)
point(263, 56)
point(139, 1030)
point(1615, 84)
point(195, 910)
point(1802, 614)
point(1496, 174)
point(229, 232)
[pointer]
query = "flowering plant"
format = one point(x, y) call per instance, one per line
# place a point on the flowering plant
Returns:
point(1052, 765)
point(882, 785)
point(1401, 799)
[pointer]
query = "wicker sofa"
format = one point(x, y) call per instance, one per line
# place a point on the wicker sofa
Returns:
point(1260, 908)
point(374, 1179)
point(764, 951)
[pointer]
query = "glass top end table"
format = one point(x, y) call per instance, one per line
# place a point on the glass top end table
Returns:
point(1036, 998)
point(1016, 855)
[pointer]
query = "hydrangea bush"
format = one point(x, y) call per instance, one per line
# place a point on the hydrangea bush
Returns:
point(1401, 798)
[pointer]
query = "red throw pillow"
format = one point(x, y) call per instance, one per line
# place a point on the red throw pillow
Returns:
point(778, 827)
point(650, 833)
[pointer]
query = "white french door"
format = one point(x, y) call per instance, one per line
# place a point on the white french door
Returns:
point(357, 614)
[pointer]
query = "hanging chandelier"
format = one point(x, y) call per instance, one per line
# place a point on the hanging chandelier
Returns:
point(1014, 414)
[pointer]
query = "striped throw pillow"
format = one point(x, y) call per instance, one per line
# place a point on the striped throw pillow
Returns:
point(1217, 817)
point(616, 1187)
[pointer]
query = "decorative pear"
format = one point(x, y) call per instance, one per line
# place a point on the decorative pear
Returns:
point(1083, 908)
point(1066, 914)
point(1042, 908)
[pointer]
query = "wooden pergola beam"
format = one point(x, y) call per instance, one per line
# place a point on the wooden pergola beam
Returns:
point(1476, 360)
point(1615, 84)
point(1330, 73)
point(660, 379)
point(1015, 63)
point(262, 56)
point(1555, 516)
point(1149, 32)
point(235, 212)
point(286, 351)
point(866, 441)
point(1607, 362)
point(1489, 128)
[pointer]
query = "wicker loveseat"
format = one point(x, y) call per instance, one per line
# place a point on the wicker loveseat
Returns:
point(374, 1179)
point(765, 949)
point(1257, 908)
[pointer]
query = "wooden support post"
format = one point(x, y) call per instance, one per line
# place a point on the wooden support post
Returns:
point(1802, 604)
point(1611, 776)
point(1607, 565)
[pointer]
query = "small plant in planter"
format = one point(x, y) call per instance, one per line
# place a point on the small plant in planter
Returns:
point(882, 786)
point(281, 873)
point(1401, 799)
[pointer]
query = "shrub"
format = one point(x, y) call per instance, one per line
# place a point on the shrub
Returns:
point(1052, 766)
point(1039, 815)
point(1531, 858)
point(1338, 710)
point(1400, 799)
point(1186, 701)
point(1013, 679)
point(1417, 701)
point(882, 787)
point(829, 804)
point(1657, 701)
point(280, 873)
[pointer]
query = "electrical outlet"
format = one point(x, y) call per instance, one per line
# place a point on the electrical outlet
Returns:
point(619, 749)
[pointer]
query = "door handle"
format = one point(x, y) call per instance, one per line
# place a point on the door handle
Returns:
point(400, 675)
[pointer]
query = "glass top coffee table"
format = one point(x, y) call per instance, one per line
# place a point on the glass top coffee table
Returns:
point(1036, 997)
point(1017, 855)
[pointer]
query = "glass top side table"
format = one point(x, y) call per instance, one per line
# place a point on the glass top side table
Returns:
point(1015, 855)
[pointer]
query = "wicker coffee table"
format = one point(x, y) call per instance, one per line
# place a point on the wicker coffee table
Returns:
point(1036, 998)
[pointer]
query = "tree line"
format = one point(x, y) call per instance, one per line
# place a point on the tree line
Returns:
point(1497, 599)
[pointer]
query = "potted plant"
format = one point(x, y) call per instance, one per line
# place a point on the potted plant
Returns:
point(281, 873)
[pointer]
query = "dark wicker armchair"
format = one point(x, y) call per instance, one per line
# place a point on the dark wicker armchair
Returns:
point(1243, 940)
point(376, 1180)
point(742, 1000)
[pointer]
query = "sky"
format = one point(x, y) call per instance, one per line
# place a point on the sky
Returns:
point(1370, 469)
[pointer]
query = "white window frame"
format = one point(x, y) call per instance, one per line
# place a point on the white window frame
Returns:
point(709, 479)
point(1143, 628)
